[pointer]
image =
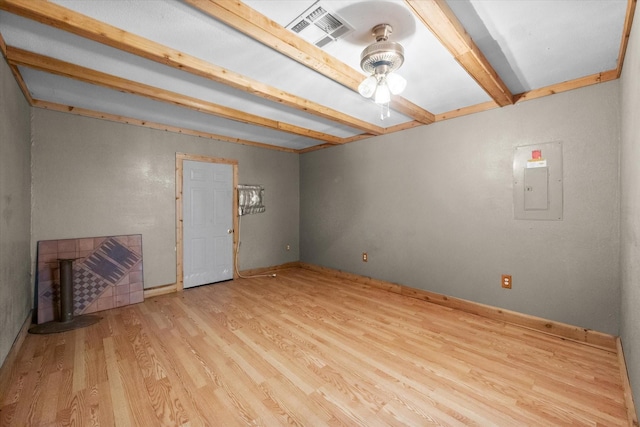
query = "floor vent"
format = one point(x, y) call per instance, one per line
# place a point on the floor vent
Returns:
point(319, 25)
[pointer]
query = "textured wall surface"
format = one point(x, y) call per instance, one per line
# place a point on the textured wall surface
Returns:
point(630, 206)
point(433, 207)
point(15, 210)
point(98, 178)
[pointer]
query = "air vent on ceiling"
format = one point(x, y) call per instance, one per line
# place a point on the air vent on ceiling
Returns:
point(319, 25)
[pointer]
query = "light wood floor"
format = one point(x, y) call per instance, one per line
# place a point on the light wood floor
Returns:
point(307, 349)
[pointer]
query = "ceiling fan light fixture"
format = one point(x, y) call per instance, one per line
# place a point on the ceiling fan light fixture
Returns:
point(380, 60)
point(383, 94)
point(368, 86)
point(396, 83)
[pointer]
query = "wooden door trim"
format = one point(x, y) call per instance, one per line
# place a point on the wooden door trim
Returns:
point(180, 158)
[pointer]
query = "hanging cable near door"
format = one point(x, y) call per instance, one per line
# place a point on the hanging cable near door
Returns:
point(236, 258)
point(250, 199)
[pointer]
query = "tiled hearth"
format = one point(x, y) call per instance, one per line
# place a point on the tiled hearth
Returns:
point(107, 273)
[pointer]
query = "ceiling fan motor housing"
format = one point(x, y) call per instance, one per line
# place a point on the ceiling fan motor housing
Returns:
point(383, 56)
point(385, 53)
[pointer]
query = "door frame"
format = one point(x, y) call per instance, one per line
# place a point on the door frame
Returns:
point(180, 158)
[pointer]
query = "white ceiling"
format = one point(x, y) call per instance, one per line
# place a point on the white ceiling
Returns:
point(535, 47)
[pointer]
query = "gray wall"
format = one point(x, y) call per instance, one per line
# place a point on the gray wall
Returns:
point(95, 178)
point(433, 208)
point(15, 210)
point(630, 206)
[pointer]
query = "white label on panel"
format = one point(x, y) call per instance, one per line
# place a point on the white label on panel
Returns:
point(536, 164)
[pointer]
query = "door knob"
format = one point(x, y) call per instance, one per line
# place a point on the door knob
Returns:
point(229, 231)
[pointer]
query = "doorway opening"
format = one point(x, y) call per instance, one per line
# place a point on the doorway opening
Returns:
point(199, 198)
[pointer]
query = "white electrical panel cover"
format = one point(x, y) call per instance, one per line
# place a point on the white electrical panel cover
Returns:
point(537, 181)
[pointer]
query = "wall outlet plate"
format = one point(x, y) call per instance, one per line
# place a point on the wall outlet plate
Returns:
point(506, 281)
point(365, 257)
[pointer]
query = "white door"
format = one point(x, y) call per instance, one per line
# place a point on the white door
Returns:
point(207, 222)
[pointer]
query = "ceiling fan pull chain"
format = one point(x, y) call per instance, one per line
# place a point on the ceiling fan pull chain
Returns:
point(385, 111)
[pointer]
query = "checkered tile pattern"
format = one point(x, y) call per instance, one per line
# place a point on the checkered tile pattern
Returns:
point(87, 287)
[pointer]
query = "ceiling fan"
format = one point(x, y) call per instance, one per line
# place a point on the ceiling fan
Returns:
point(380, 59)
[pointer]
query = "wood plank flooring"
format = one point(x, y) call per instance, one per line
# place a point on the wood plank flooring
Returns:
point(311, 350)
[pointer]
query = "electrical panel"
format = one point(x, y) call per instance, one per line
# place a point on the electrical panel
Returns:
point(537, 182)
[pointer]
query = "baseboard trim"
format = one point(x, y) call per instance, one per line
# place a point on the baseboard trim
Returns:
point(9, 362)
point(160, 290)
point(632, 415)
point(168, 289)
point(562, 330)
point(268, 270)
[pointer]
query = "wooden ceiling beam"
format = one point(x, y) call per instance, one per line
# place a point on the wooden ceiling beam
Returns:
point(257, 26)
point(46, 105)
point(440, 19)
point(605, 76)
point(19, 57)
point(465, 111)
point(65, 19)
point(16, 73)
point(578, 83)
point(626, 31)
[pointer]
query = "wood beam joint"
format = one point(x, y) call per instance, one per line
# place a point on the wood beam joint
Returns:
point(440, 19)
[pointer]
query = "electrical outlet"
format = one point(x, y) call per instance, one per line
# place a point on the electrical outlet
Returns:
point(288, 247)
point(506, 281)
point(365, 257)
